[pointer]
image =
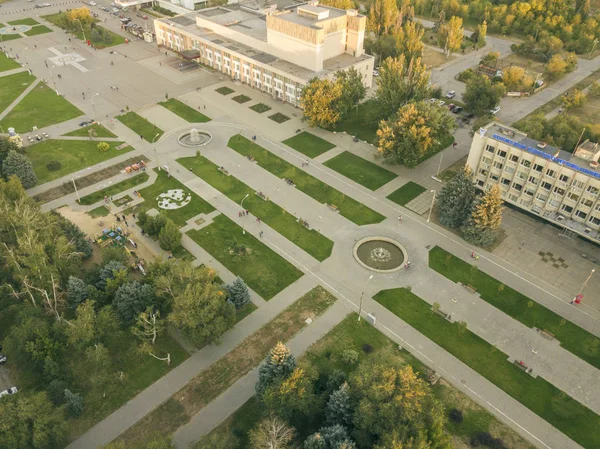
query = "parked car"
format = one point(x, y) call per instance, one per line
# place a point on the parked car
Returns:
point(451, 94)
point(2, 359)
point(375, 72)
point(441, 102)
point(456, 109)
point(92, 3)
point(45, 5)
point(11, 390)
point(146, 18)
point(433, 100)
point(495, 110)
point(451, 106)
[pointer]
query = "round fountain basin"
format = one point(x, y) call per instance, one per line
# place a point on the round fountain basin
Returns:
point(194, 138)
point(380, 254)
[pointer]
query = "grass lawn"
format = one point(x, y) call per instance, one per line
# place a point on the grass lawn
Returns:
point(184, 111)
point(314, 243)
point(99, 211)
point(117, 39)
point(12, 86)
point(101, 131)
point(241, 99)
point(265, 271)
point(114, 189)
point(7, 63)
point(362, 122)
point(214, 380)
point(140, 371)
point(360, 170)
point(10, 37)
point(309, 144)
point(39, 29)
point(25, 21)
point(68, 153)
point(41, 107)
point(406, 193)
point(260, 108)
point(141, 126)
point(348, 207)
point(573, 338)
point(162, 184)
point(541, 397)
point(224, 90)
point(279, 117)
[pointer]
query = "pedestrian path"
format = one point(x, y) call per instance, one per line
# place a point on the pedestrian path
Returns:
point(11, 106)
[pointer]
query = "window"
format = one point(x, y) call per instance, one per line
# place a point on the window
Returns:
point(587, 202)
point(559, 191)
point(494, 177)
point(268, 80)
point(525, 163)
point(538, 167)
point(554, 203)
point(581, 214)
point(522, 175)
point(514, 158)
point(487, 160)
point(480, 183)
point(568, 209)
point(509, 170)
point(506, 181)
point(490, 148)
point(595, 220)
point(550, 173)
point(573, 196)
point(546, 185)
point(518, 187)
point(483, 172)
point(502, 153)
point(541, 197)
point(597, 207)
point(593, 190)
point(524, 202)
point(498, 165)
point(533, 180)
point(529, 192)
point(278, 85)
point(513, 198)
point(564, 178)
point(578, 184)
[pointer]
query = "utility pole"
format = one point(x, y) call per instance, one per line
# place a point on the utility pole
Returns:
point(362, 296)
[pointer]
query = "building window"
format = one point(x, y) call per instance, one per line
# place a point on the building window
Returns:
point(494, 177)
point(595, 220)
point(581, 214)
point(480, 183)
point(521, 175)
point(506, 181)
point(502, 153)
point(593, 190)
point(518, 187)
point(554, 203)
point(490, 148)
point(538, 167)
point(563, 178)
point(573, 196)
point(529, 192)
point(568, 209)
point(546, 185)
point(578, 184)
point(513, 198)
point(498, 165)
point(268, 80)
point(587, 202)
point(483, 172)
point(509, 170)
point(559, 191)
point(550, 173)
point(514, 158)
point(533, 180)
point(525, 163)
point(524, 202)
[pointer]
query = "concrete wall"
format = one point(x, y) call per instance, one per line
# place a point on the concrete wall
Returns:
point(334, 44)
point(292, 49)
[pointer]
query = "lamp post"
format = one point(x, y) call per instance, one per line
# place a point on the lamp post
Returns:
point(431, 207)
point(242, 207)
point(362, 295)
point(76, 191)
point(93, 105)
point(155, 152)
point(82, 31)
point(585, 283)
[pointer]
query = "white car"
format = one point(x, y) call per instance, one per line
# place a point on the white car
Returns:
point(376, 72)
point(441, 102)
point(11, 390)
point(433, 100)
point(451, 94)
point(495, 110)
point(92, 3)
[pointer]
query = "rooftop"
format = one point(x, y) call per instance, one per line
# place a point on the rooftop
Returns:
point(311, 16)
point(235, 17)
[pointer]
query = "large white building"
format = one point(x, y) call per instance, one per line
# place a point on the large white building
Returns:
point(275, 51)
point(560, 187)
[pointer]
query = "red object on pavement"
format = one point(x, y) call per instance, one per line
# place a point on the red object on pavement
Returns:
point(578, 299)
point(89, 43)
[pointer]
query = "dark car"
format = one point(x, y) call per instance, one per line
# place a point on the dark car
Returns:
point(456, 109)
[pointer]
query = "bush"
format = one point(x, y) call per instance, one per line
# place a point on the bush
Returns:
point(466, 75)
point(349, 356)
point(487, 440)
point(56, 391)
point(103, 146)
point(367, 348)
point(53, 166)
point(456, 416)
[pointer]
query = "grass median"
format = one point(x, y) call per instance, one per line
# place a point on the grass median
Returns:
point(311, 241)
point(142, 127)
point(573, 338)
point(313, 187)
point(406, 193)
point(309, 144)
point(114, 189)
point(265, 271)
point(210, 383)
point(562, 411)
point(99, 131)
point(360, 170)
point(184, 111)
point(11, 86)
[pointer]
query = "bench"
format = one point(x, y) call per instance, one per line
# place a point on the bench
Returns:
point(521, 365)
point(333, 207)
point(547, 335)
point(470, 288)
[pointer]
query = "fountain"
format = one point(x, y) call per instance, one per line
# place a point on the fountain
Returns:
point(380, 254)
point(194, 138)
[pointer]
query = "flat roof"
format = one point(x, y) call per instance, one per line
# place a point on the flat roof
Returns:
point(250, 23)
point(311, 22)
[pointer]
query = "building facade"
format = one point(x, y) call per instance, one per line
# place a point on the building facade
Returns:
point(560, 187)
point(275, 51)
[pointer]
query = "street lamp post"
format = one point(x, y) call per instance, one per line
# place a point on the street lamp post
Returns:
point(76, 191)
point(242, 208)
point(431, 207)
point(93, 105)
point(585, 283)
point(82, 31)
point(155, 152)
point(362, 295)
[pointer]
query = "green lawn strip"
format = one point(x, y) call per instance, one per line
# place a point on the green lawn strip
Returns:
point(184, 111)
point(11, 86)
point(73, 155)
point(10, 37)
point(532, 314)
point(360, 170)
point(41, 107)
point(265, 271)
point(26, 21)
point(140, 372)
point(40, 29)
point(311, 241)
point(100, 211)
point(225, 90)
point(7, 63)
point(362, 121)
point(260, 108)
point(116, 39)
point(217, 378)
point(406, 193)
point(279, 117)
point(309, 144)
point(163, 184)
point(313, 187)
point(566, 414)
point(241, 99)
point(101, 131)
point(141, 126)
point(114, 189)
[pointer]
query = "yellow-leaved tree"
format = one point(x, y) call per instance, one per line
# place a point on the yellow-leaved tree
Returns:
point(340, 4)
point(483, 227)
point(451, 34)
point(319, 98)
point(383, 17)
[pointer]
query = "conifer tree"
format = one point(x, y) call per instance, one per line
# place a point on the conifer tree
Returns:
point(455, 201)
point(338, 409)
point(238, 292)
point(482, 228)
point(279, 364)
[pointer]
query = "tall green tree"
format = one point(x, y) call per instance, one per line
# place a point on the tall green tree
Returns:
point(169, 237)
point(278, 365)
point(451, 34)
point(455, 201)
point(383, 17)
point(483, 226)
point(409, 40)
point(291, 398)
point(353, 90)
point(17, 164)
point(131, 299)
point(147, 328)
point(331, 437)
point(481, 95)
point(339, 408)
point(238, 292)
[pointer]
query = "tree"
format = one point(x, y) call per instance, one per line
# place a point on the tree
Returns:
point(147, 328)
point(340, 4)
point(271, 433)
point(103, 146)
point(131, 299)
point(74, 403)
point(576, 99)
point(555, 68)
point(217, 440)
point(77, 290)
point(455, 201)
point(410, 133)
point(169, 236)
point(332, 437)
point(451, 34)
point(30, 421)
point(383, 16)
point(319, 98)
point(82, 330)
point(482, 228)
point(202, 313)
point(400, 81)
point(409, 40)
point(98, 364)
point(490, 59)
point(512, 77)
point(594, 89)
point(292, 397)
point(481, 34)
point(75, 235)
point(481, 94)
point(115, 253)
point(109, 271)
point(353, 90)
point(339, 409)
point(6, 146)
point(238, 292)
point(18, 165)
point(279, 364)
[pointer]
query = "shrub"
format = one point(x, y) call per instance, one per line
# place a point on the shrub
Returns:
point(103, 146)
point(53, 166)
point(367, 348)
point(487, 440)
point(349, 356)
point(456, 416)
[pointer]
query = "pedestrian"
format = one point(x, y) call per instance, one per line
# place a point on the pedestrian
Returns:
point(204, 106)
point(123, 216)
point(134, 216)
point(111, 198)
point(160, 64)
point(126, 223)
point(141, 137)
point(246, 211)
point(400, 218)
point(239, 214)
